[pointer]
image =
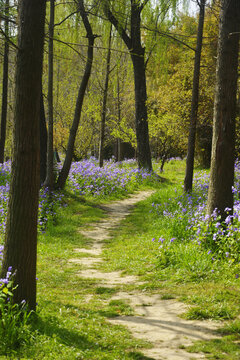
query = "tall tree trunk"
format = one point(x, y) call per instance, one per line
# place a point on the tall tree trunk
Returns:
point(73, 131)
point(20, 247)
point(49, 181)
point(134, 45)
point(4, 86)
point(220, 194)
point(141, 117)
point(104, 104)
point(141, 123)
point(194, 104)
point(43, 142)
point(118, 157)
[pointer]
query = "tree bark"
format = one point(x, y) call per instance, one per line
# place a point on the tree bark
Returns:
point(194, 104)
point(49, 181)
point(20, 247)
point(4, 86)
point(220, 194)
point(118, 157)
point(43, 142)
point(73, 131)
point(104, 104)
point(141, 119)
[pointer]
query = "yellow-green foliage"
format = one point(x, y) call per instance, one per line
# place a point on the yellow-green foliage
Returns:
point(171, 91)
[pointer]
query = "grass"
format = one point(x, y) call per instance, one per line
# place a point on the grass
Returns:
point(182, 271)
point(71, 322)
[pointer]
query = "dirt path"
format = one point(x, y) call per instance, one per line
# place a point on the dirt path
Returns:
point(155, 320)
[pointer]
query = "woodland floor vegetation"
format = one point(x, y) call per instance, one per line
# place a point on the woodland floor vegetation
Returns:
point(173, 256)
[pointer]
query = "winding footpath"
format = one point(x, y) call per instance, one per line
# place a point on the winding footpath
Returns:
point(155, 320)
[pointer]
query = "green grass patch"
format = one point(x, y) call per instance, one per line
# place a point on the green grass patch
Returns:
point(71, 320)
point(226, 348)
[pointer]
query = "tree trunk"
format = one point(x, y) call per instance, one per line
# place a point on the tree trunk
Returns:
point(220, 194)
point(134, 45)
point(20, 247)
point(118, 157)
point(104, 105)
point(141, 118)
point(141, 123)
point(73, 131)
point(43, 143)
point(4, 87)
point(49, 181)
point(194, 104)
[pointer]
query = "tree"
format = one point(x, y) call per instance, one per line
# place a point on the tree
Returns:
point(20, 247)
point(4, 85)
point(194, 104)
point(82, 89)
point(49, 181)
point(137, 52)
point(220, 194)
point(104, 102)
point(43, 142)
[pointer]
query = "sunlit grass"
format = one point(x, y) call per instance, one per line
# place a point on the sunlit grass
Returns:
point(72, 312)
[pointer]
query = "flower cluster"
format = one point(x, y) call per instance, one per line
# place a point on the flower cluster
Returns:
point(220, 239)
point(1, 253)
point(48, 205)
point(87, 178)
point(4, 191)
point(5, 281)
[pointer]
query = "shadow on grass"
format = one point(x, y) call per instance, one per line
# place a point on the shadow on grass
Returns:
point(138, 356)
point(51, 327)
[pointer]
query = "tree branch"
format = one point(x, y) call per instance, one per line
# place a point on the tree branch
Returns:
point(162, 33)
point(117, 25)
point(149, 55)
point(7, 18)
point(8, 39)
point(70, 46)
point(67, 17)
point(143, 5)
point(85, 20)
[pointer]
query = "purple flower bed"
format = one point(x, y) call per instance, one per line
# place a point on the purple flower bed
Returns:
point(87, 178)
point(47, 206)
point(188, 211)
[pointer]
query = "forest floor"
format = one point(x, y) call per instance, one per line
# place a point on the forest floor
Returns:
point(154, 320)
